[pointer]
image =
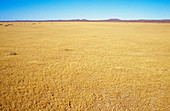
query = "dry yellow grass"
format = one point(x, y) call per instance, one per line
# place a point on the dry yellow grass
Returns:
point(85, 66)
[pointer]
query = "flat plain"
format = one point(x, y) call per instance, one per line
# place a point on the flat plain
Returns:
point(84, 66)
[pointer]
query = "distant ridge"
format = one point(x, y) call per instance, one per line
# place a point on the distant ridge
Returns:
point(85, 20)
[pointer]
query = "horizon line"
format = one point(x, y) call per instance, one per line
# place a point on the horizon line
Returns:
point(88, 20)
point(84, 19)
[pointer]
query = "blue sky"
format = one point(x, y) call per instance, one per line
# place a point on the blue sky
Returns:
point(83, 9)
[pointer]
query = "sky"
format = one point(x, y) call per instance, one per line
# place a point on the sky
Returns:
point(84, 9)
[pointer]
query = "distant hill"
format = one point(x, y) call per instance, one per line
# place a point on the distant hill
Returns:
point(85, 20)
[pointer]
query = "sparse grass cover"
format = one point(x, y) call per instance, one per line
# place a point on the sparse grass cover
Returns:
point(85, 66)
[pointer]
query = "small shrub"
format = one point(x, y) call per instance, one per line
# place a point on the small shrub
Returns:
point(8, 25)
point(12, 53)
point(66, 49)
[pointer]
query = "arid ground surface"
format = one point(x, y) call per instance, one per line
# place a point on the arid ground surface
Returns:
point(88, 66)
